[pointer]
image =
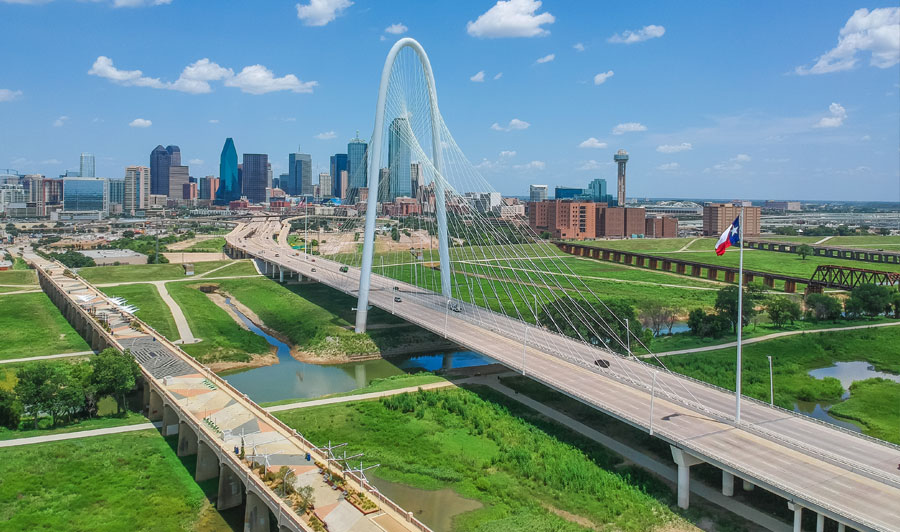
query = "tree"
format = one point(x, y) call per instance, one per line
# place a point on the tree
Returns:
point(49, 389)
point(823, 307)
point(727, 303)
point(782, 309)
point(593, 323)
point(654, 315)
point(128, 234)
point(30, 388)
point(395, 234)
point(804, 251)
point(10, 410)
point(872, 299)
point(895, 301)
point(708, 325)
point(114, 374)
point(853, 308)
point(546, 235)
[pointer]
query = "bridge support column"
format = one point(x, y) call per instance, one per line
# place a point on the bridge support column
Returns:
point(187, 440)
point(790, 286)
point(727, 484)
point(712, 273)
point(820, 523)
point(748, 486)
point(207, 462)
point(170, 421)
point(231, 491)
point(842, 527)
point(798, 516)
point(684, 462)
point(729, 276)
point(280, 275)
point(155, 411)
point(256, 516)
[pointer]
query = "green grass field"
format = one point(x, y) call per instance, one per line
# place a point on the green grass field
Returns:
point(888, 243)
point(238, 267)
point(394, 382)
point(874, 404)
point(18, 277)
point(130, 481)
point(146, 272)
point(645, 245)
point(526, 473)
point(794, 357)
point(30, 326)
point(211, 245)
point(153, 310)
point(103, 422)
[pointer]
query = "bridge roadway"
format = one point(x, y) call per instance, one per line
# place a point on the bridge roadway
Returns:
point(212, 419)
point(840, 475)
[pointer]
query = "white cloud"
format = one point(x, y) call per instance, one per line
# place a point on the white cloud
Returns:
point(865, 138)
point(838, 115)
point(140, 3)
point(321, 12)
point(214, 121)
point(511, 18)
point(630, 37)
point(258, 79)
point(327, 135)
point(731, 165)
point(533, 165)
point(59, 122)
point(578, 47)
point(479, 77)
point(507, 154)
point(514, 124)
point(668, 166)
point(741, 158)
point(601, 78)
point(498, 76)
point(592, 143)
point(396, 29)
point(51, 161)
point(7, 95)
point(674, 148)
point(140, 122)
point(628, 127)
point(547, 58)
point(590, 165)
point(876, 31)
point(104, 68)
point(195, 77)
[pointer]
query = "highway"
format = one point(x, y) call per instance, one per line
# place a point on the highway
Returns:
point(847, 477)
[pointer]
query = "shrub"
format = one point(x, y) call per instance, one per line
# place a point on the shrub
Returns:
point(822, 307)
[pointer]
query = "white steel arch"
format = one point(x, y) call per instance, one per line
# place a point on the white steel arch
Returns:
point(373, 176)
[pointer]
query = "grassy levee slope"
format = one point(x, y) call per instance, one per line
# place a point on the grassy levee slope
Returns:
point(146, 272)
point(528, 474)
point(152, 309)
point(31, 325)
point(210, 245)
point(794, 357)
point(130, 481)
point(18, 277)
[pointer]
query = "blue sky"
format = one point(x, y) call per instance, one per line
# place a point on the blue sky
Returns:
point(719, 100)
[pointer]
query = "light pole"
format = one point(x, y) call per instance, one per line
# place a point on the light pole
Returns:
point(627, 337)
point(771, 383)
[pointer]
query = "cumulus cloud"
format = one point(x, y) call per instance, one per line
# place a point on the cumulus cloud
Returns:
point(533, 165)
point(511, 18)
point(104, 68)
point(321, 12)
point(601, 78)
point(214, 121)
point(630, 37)
point(258, 79)
point(668, 166)
point(60, 122)
point(590, 165)
point(547, 58)
point(479, 77)
point(514, 124)
point(140, 122)
point(876, 31)
point(195, 77)
point(327, 135)
point(7, 95)
point(498, 76)
point(838, 115)
point(628, 127)
point(592, 143)
point(396, 29)
point(674, 148)
point(578, 47)
point(196, 161)
point(507, 154)
point(741, 158)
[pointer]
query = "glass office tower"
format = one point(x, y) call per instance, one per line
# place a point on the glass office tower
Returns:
point(229, 181)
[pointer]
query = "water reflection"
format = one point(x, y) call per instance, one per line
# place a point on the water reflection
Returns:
point(435, 508)
point(291, 378)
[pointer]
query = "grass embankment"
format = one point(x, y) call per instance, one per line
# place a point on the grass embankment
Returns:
point(149, 272)
point(130, 481)
point(527, 476)
point(394, 382)
point(212, 245)
point(152, 309)
point(794, 357)
point(18, 277)
point(102, 422)
point(31, 325)
point(871, 241)
point(640, 245)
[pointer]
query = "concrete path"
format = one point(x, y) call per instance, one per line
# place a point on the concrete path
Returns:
point(362, 396)
point(826, 239)
point(79, 434)
point(766, 337)
point(47, 357)
point(184, 280)
point(31, 291)
point(184, 330)
point(686, 246)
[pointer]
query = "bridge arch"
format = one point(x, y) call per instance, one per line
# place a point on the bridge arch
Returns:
point(374, 170)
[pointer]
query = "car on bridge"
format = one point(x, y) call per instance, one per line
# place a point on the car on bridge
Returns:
point(313, 270)
point(343, 269)
point(398, 299)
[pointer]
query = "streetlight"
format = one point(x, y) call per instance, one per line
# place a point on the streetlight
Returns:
point(771, 383)
point(627, 337)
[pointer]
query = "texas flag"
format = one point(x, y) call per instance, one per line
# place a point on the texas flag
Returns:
point(731, 237)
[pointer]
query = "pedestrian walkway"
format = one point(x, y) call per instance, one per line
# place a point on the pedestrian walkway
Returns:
point(47, 357)
point(362, 396)
point(184, 330)
point(79, 434)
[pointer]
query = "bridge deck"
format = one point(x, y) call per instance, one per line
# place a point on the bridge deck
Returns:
point(850, 478)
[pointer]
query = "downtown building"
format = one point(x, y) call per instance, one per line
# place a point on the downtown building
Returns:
point(339, 172)
point(161, 161)
point(229, 185)
point(719, 216)
point(254, 176)
point(137, 190)
point(299, 181)
point(357, 167)
point(585, 220)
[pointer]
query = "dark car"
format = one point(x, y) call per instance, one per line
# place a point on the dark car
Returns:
point(397, 299)
point(602, 363)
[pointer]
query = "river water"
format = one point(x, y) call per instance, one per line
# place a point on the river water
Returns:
point(847, 373)
point(290, 378)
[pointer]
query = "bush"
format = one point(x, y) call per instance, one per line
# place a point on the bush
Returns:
point(872, 299)
point(708, 325)
point(10, 410)
point(822, 307)
point(782, 310)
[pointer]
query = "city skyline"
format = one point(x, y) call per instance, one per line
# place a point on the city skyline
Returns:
point(759, 116)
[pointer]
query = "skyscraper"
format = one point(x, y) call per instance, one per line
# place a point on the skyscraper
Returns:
point(356, 166)
point(116, 195)
point(86, 165)
point(299, 174)
point(537, 192)
point(137, 189)
point(255, 176)
point(85, 194)
point(415, 177)
point(174, 155)
point(229, 183)
point(338, 166)
point(178, 177)
point(597, 191)
point(621, 158)
point(325, 185)
point(399, 159)
point(160, 161)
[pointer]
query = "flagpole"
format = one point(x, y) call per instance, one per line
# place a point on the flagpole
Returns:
point(740, 319)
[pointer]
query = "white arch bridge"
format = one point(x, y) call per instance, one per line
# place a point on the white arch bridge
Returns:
point(841, 476)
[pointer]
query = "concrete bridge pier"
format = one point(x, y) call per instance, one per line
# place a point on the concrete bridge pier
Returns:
point(155, 410)
point(231, 489)
point(280, 275)
point(748, 486)
point(684, 462)
point(170, 421)
point(727, 484)
point(798, 516)
point(256, 516)
point(187, 440)
point(207, 462)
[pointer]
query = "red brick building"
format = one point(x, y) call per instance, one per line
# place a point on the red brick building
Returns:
point(661, 227)
point(574, 220)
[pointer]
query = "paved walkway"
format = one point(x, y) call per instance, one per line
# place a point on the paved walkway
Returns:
point(47, 357)
point(826, 239)
point(184, 330)
point(79, 434)
point(686, 246)
point(362, 396)
point(183, 280)
point(30, 291)
point(764, 338)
